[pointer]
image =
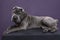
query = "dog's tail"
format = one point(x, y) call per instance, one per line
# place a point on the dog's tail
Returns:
point(56, 20)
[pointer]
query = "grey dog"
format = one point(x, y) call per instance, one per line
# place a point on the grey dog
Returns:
point(24, 21)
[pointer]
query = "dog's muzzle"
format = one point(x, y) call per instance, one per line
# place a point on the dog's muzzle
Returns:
point(16, 19)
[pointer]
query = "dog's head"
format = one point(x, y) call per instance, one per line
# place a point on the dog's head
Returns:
point(17, 9)
point(18, 14)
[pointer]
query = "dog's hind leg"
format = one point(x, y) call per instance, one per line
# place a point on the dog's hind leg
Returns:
point(44, 28)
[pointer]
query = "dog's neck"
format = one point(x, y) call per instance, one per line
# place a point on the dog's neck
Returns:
point(25, 15)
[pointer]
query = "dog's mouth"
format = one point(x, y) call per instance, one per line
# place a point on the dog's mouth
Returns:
point(16, 21)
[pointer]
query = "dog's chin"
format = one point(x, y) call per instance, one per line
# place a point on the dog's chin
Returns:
point(17, 21)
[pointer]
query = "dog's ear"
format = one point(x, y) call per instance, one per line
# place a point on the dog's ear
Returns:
point(24, 14)
point(57, 20)
point(15, 7)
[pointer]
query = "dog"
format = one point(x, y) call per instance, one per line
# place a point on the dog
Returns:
point(23, 21)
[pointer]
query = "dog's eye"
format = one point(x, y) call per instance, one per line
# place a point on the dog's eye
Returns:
point(20, 9)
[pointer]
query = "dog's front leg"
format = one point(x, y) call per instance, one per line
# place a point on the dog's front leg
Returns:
point(23, 27)
point(12, 30)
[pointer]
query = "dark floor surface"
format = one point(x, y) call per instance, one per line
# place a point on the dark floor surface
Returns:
point(32, 34)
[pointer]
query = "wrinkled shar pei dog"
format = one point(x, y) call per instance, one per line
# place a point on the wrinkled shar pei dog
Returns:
point(23, 21)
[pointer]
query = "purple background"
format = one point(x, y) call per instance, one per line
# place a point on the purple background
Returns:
point(32, 7)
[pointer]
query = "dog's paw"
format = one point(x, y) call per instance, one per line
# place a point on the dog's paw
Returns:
point(45, 30)
point(53, 30)
point(5, 32)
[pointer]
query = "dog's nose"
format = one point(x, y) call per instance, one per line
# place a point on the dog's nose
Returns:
point(14, 18)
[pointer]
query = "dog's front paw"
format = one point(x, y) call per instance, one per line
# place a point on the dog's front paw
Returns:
point(5, 32)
